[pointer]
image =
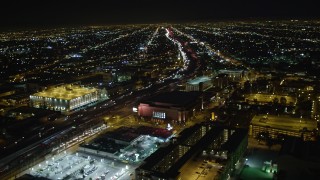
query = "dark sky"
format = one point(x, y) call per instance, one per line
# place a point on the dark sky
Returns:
point(22, 13)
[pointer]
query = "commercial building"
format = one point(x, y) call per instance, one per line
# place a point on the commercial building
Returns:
point(181, 158)
point(127, 144)
point(234, 75)
point(66, 97)
point(175, 107)
point(221, 81)
point(199, 84)
point(278, 126)
point(296, 84)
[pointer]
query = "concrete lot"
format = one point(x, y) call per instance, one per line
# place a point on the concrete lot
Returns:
point(143, 147)
point(81, 166)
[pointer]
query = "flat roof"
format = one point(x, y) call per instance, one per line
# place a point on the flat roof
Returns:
point(172, 170)
point(284, 122)
point(270, 97)
point(231, 71)
point(65, 92)
point(104, 144)
point(175, 98)
point(199, 80)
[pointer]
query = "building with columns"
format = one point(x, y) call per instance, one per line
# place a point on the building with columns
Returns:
point(199, 84)
point(65, 98)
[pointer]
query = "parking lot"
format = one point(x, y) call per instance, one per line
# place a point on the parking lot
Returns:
point(141, 148)
point(265, 98)
point(81, 166)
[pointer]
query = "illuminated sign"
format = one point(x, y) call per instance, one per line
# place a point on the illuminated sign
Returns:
point(160, 115)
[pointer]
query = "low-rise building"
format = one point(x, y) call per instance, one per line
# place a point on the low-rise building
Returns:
point(66, 97)
point(199, 84)
point(278, 126)
point(234, 75)
point(127, 144)
point(175, 107)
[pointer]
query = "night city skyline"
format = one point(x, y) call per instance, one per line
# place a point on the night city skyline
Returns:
point(150, 90)
point(61, 13)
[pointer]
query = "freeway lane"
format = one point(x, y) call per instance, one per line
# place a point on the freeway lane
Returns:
point(81, 121)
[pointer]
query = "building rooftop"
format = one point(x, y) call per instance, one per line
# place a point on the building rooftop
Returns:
point(284, 122)
point(175, 98)
point(199, 80)
point(226, 71)
point(126, 134)
point(152, 131)
point(104, 144)
point(191, 141)
point(265, 98)
point(65, 92)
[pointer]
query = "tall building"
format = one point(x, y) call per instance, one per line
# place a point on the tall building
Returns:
point(66, 97)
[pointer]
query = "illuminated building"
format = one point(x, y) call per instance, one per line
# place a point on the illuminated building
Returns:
point(199, 84)
point(279, 126)
point(201, 142)
point(221, 81)
point(65, 98)
point(175, 106)
point(233, 75)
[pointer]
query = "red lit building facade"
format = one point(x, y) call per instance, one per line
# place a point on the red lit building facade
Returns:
point(171, 107)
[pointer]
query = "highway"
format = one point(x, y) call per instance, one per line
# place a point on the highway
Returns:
point(82, 120)
point(78, 122)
